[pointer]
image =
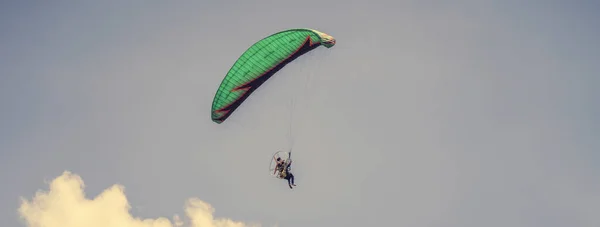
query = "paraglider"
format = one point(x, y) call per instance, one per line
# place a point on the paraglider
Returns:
point(255, 66)
point(259, 62)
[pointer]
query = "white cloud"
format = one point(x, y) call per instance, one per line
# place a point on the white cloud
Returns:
point(65, 205)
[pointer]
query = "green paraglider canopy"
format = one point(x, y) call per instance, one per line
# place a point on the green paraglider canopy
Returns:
point(259, 63)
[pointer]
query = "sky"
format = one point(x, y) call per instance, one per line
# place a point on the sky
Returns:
point(425, 113)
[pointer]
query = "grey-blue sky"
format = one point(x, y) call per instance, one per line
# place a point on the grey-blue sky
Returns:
point(434, 113)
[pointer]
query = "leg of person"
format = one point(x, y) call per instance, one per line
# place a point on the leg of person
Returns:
point(292, 179)
point(288, 178)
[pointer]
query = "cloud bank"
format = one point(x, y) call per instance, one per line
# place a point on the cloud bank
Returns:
point(65, 205)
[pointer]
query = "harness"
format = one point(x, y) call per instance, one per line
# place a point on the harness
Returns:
point(283, 170)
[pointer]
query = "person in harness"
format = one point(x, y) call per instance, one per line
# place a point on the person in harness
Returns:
point(283, 171)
